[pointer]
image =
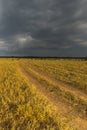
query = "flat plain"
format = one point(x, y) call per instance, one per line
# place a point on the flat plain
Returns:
point(43, 94)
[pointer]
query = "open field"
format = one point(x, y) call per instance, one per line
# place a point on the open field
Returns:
point(47, 94)
point(73, 72)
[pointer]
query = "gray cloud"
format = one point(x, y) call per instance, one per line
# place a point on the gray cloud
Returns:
point(43, 27)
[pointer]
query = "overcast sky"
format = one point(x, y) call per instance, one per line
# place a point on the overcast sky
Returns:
point(43, 27)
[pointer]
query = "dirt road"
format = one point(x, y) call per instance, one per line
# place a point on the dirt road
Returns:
point(62, 107)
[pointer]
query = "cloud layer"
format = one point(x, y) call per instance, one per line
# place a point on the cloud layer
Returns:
point(43, 27)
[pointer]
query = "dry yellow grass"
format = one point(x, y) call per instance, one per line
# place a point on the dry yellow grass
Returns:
point(65, 91)
point(73, 72)
point(21, 106)
point(44, 71)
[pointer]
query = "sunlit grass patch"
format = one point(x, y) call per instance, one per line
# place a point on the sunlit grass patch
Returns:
point(21, 106)
point(73, 72)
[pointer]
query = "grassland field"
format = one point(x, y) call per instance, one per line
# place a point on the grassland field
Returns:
point(73, 72)
point(23, 107)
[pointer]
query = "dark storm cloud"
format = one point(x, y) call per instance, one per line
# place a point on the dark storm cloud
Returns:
point(43, 27)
